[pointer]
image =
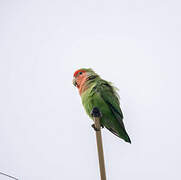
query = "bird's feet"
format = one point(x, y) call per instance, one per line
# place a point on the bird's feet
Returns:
point(96, 129)
point(95, 112)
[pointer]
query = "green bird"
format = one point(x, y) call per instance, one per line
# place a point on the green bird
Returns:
point(96, 92)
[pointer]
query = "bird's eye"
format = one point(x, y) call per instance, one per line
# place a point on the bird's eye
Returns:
point(80, 73)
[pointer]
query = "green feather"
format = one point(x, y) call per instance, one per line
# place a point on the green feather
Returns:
point(102, 94)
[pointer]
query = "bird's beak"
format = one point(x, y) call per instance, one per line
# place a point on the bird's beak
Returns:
point(74, 82)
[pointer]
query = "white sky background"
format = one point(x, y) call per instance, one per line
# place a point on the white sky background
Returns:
point(44, 132)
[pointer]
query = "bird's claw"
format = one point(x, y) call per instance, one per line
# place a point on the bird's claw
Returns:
point(95, 112)
point(96, 129)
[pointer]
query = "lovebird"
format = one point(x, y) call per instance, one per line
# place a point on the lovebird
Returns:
point(99, 93)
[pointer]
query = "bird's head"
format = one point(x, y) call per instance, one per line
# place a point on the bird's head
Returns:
point(81, 76)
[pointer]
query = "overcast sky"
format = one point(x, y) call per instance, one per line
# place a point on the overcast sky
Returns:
point(44, 132)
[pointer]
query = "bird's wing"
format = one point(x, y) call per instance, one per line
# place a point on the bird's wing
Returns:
point(109, 95)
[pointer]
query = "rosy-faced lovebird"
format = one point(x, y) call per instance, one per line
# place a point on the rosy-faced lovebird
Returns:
point(96, 92)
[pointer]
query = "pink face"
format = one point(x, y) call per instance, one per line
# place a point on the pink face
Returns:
point(79, 78)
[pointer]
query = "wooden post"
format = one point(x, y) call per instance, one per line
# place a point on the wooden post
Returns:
point(97, 115)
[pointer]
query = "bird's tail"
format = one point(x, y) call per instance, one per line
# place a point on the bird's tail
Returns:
point(122, 134)
point(127, 138)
